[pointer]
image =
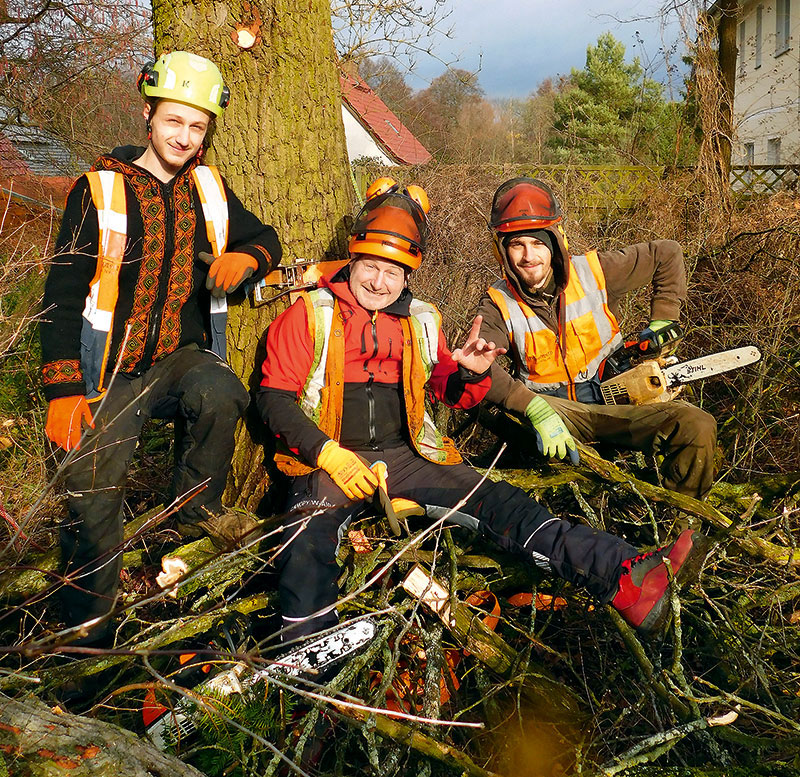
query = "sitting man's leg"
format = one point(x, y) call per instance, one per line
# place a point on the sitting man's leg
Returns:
point(206, 399)
point(683, 434)
point(317, 516)
point(609, 568)
point(92, 535)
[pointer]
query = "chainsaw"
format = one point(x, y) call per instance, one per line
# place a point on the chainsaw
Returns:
point(166, 726)
point(644, 371)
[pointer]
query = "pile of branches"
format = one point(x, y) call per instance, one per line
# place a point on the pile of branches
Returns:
point(505, 672)
point(501, 672)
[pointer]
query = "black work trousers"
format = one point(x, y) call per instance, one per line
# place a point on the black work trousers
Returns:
point(206, 399)
point(504, 513)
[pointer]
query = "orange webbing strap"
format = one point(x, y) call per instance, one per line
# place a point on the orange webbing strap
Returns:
point(408, 685)
point(543, 601)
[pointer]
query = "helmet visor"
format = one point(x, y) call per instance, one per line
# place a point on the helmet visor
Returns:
point(524, 204)
point(391, 217)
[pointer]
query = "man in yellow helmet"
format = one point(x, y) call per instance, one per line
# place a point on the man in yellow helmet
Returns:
point(557, 315)
point(344, 383)
point(130, 290)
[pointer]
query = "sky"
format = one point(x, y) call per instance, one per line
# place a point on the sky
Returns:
point(515, 44)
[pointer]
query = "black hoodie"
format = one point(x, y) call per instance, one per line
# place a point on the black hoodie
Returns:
point(162, 292)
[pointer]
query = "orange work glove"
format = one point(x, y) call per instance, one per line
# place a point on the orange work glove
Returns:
point(64, 420)
point(352, 475)
point(227, 271)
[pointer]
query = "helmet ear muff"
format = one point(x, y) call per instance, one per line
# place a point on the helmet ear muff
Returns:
point(497, 246)
point(381, 186)
point(147, 77)
point(563, 236)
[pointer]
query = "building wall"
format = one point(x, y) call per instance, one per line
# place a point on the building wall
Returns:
point(767, 102)
point(360, 142)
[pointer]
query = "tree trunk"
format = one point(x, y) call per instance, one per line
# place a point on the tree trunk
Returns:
point(40, 742)
point(727, 53)
point(280, 146)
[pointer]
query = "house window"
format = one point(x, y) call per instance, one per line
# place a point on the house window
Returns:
point(749, 153)
point(773, 151)
point(759, 27)
point(782, 14)
point(742, 39)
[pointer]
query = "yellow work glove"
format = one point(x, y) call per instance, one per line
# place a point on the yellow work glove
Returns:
point(654, 331)
point(227, 271)
point(349, 472)
point(406, 508)
point(64, 420)
point(552, 436)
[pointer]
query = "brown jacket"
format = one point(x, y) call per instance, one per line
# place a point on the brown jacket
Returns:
point(659, 262)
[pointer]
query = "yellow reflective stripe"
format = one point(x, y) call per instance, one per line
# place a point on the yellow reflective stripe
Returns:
point(426, 321)
point(319, 311)
point(108, 195)
point(593, 282)
point(215, 205)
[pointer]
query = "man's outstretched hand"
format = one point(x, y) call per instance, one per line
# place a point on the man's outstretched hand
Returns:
point(476, 354)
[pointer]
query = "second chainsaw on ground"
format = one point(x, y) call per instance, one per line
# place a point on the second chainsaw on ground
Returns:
point(644, 371)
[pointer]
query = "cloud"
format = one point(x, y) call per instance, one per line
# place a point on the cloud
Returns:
point(516, 44)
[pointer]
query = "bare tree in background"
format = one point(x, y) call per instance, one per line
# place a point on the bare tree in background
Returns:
point(364, 28)
point(68, 68)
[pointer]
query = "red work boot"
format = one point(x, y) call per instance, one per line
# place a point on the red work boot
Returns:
point(642, 597)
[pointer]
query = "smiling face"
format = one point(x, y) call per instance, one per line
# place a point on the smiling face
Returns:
point(376, 283)
point(531, 260)
point(177, 132)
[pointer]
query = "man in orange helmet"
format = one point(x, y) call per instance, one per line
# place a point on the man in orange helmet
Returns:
point(557, 315)
point(344, 383)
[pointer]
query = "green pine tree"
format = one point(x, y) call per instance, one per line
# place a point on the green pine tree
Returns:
point(611, 113)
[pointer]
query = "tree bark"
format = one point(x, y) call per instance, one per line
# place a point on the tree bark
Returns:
point(37, 741)
point(727, 53)
point(281, 147)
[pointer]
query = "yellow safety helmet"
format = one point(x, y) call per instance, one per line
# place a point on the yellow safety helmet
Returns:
point(185, 78)
point(392, 224)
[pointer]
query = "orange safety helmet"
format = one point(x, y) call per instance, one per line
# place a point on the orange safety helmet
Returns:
point(392, 224)
point(524, 204)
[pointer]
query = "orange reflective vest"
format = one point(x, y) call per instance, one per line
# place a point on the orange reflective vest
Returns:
point(588, 330)
point(107, 188)
point(322, 396)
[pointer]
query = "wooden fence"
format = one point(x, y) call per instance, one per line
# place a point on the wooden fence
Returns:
point(612, 187)
point(764, 179)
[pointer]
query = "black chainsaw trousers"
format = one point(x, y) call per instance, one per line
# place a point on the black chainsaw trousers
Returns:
point(205, 399)
point(319, 513)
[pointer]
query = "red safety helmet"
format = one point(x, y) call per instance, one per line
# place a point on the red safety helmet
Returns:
point(392, 224)
point(524, 204)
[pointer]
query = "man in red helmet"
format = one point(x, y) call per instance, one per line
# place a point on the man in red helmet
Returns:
point(344, 384)
point(557, 315)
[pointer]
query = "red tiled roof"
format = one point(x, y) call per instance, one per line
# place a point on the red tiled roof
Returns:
point(385, 128)
point(11, 161)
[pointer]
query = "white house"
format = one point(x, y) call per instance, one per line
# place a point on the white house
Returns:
point(767, 97)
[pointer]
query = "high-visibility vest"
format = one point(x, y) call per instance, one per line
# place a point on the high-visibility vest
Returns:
point(589, 330)
point(107, 188)
point(322, 396)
